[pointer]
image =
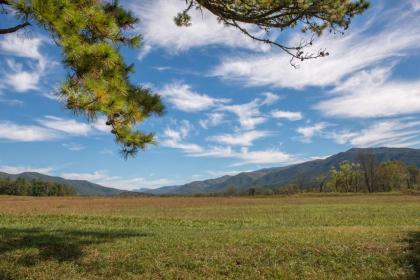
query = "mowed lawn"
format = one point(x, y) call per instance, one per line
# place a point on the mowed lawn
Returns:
point(297, 237)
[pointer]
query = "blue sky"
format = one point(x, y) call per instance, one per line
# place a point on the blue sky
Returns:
point(232, 104)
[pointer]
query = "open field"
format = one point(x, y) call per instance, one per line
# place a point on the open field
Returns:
point(302, 237)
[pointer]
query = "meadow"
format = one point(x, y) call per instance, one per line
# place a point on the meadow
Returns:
point(281, 237)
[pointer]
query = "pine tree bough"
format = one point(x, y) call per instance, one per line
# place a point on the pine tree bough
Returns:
point(90, 33)
point(311, 16)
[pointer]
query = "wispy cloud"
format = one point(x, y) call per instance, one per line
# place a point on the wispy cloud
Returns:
point(182, 97)
point(391, 133)
point(269, 156)
point(100, 125)
point(415, 4)
point(308, 132)
point(26, 133)
point(75, 147)
point(16, 75)
point(17, 44)
point(212, 120)
point(240, 139)
point(104, 179)
point(371, 94)
point(288, 115)
point(249, 114)
point(49, 128)
point(177, 138)
point(270, 98)
point(159, 30)
point(68, 126)
point(357, 50)
point(21, 169)
point(11, 102)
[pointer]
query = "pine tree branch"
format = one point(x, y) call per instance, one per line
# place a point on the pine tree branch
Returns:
point(14, 28)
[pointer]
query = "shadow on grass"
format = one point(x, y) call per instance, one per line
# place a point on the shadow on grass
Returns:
point(57, 245)
point(413, 256)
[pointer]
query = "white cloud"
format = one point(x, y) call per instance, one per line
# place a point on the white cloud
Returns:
point(177, 138)
point(49, 128)
point(17, 44)
point(370, 94)
point(100, 125)
point(240, 139)
point(158, 28)
point(104, 179)
point(308, 132)
point(390, 133)
point(66, 125)
point(270, 98)
point(174, 138)
point(22, 80)
point(185, 99)
point(291, 116)
point(415, 4)
point(213, 119)
point(144, 51)
point(95, 176)
point(15, 75)
point(106, 152)
point(249, 114)
point(21, 169)
point(11, 102)
point(73, 146)
point(26, 133)
point(357, 50)
point(52, 96)
point(245, 156)
point(270, 156)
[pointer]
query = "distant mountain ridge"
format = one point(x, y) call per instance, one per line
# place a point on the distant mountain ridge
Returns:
point(80, 186)
point(285, 175)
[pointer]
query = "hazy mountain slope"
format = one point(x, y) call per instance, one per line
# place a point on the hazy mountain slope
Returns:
point(81, 187)
point(306, 171)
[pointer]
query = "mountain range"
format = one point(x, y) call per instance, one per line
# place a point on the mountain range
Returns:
point(268, 177)
point(80, 186)
point(278, 176)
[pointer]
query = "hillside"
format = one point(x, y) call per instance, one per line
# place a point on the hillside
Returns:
point(306, 171)
point(81, 187)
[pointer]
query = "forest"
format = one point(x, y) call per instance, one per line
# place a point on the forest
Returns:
point(24, 187)
point(365, 176)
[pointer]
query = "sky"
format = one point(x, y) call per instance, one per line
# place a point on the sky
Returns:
point(232, 104)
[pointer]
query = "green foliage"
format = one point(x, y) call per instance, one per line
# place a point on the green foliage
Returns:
point(388, 176)
point(91, 34)
point(392, 175)
point(21, 186)
point(347, 178)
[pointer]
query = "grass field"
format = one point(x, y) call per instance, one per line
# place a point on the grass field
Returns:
point(302, 237)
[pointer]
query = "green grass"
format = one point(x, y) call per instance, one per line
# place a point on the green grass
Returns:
point(302, 237)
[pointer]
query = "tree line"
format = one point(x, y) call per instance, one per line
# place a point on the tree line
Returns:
point(365, 175)
point(385, 177)
point(24, 187)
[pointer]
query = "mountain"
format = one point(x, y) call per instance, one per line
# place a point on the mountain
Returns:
point(278, 176)
point(80, 186)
